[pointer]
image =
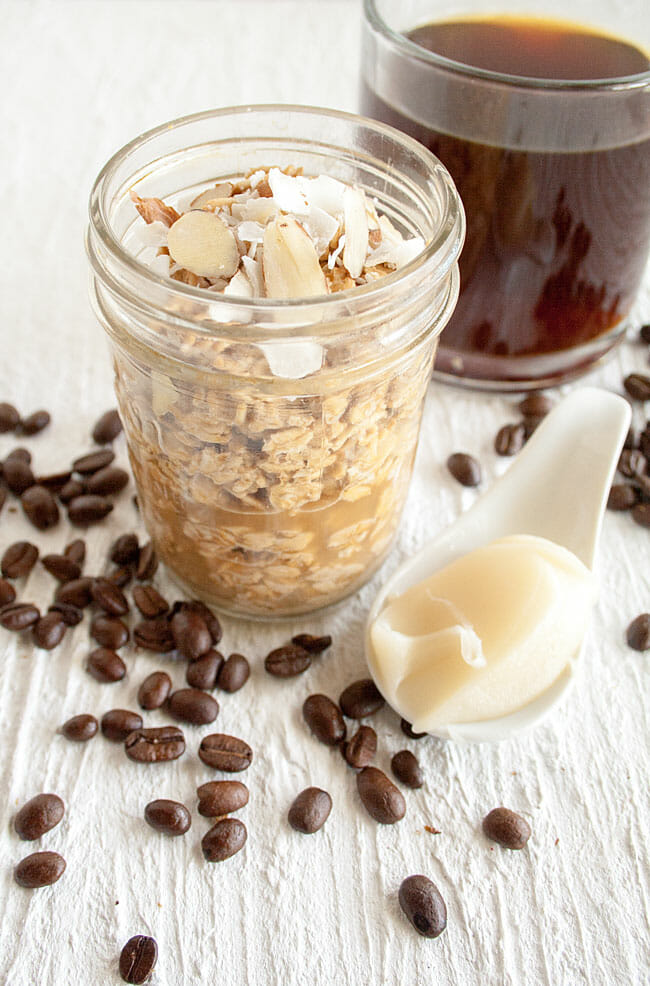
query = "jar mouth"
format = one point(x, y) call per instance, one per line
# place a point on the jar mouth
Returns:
point(415, 51)
point(439, 254)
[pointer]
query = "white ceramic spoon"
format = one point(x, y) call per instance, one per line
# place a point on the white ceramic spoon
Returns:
point(557, 488)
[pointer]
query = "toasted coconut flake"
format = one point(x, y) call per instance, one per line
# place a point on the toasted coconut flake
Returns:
point(202, 243)
point(251, 232)
point(154, 210)
point(290, 264)
point(254, 273)
point(321, 227)
point(356, 231)
point(396, 254)
point(239, 286)
point(335, 254)
point(287, 193)
point(325, 193)
point(293, 360)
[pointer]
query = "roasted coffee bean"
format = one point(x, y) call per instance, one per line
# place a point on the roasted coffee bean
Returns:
point(38, 815)
point(155, 745)
point(423, 905)
point(125, 550)
point(208, 617)
point(19, 616)
point(310, 810)
point(138, 959)
point(20, 453)
point(88, 509)
point(203, 673)
point(40, 507)
point(7, 593)
point(55, 481)
point(77, 592)
point(631, 463)
point(3, 491)
point(147, 563)
point(79, 729)
point(507, 828)
point(641, 514)
point(18, 475)
point(287, 661)
point(168, 817)
point(70, 615)
point(217, 798)
point(92, 462)
point(638, 632)
point(109, 631)
point(360, 699)
point(621, 497)
point(63, 569)
point(407, 729)
point(121, 576)
point(631, 439)
point(536, 405)
point(464, 468)
point(107, 428)
point(108, 481)
point(315, 645)
point(105, 665)
point(234, 673)
point(193, 706)
point(224, 839)
point(324, 719)
point(637, 385)
point(72, 489)
point(644, 333)
point(41, 869)
point(9, 417)
point(406, 768)
point(109, 597)
point(153, 692)
point(149, 601)
point(117, 724)
point(644, 441)
point(34, 423)
point(225, 753)
point(361, 749)
point(510, 439)
point(191, 636)
point(154, 635)
point(381, 799)
point(19, 559)
point(49, 631)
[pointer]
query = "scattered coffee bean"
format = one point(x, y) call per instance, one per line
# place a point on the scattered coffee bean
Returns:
point(208, 617)
point(105, 665)
point(464, 468)
point(49, 631)
point(507, 828)
point(423, 905)
point(107, 428)
point(641, 514)
point(631, 439)
point(41, 869)
point(40, 507)
point(225, 753)
point(117, 724)
point(204, 672)
point(193, 706)
point(76, 551)
point(88, 509)
point(381, 799)
point(92, 462)
point(125, 550)
point(638, 632)
point(63, 569)
point(621, 497)
point(19, 616)
point(315, 645)
point(20, 453)
point(34, 423)
point(224, 839)
point(147, 563)
point(644, 333)
point(109, 597)
point(71, 615)
point(324, 719)
point(218, 798)
point(360, 699)
point(234, 673)
point(121, 576)
point(18, 475)
point(637, 385)
point(38, 816)
point(109, 631)
point(138, 959)
point(644, 440)
point(536, 405)
point(108, 481)
point(406, 768)
point(631, 463)
point(156, 745)
point(7, 593)
point(510, 439)
point(77, 592)
point(168, 817)
point(72, 489)
point(55, 481)
point(79, 729)
point(9, 417)
point(287, 661)
point(19, 559)
point(191, 636)
point(407, 729)
point(149, 601)
point(3, 491)
point(154, 690)
point(310, 810)
point(154, 635)
point(361, 749)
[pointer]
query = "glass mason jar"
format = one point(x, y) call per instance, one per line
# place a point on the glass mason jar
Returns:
point(272, 442)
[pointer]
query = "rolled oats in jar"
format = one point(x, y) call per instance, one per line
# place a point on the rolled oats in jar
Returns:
point(273, 281)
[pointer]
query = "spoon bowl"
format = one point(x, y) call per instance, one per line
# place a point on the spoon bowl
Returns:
point(556, 489)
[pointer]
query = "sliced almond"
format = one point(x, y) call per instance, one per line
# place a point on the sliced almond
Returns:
point(356, 231)
point(202, 243)
point(221, 191)
point(154, 210)
point(290, 263)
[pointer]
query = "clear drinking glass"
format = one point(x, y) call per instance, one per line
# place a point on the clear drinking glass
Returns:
point(272, 442)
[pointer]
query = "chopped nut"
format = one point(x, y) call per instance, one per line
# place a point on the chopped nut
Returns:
point(154, 210)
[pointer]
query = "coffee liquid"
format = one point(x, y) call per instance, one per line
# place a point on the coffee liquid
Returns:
point(556, 241)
